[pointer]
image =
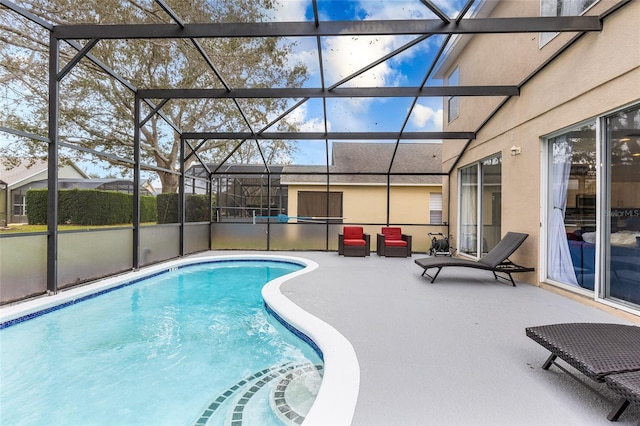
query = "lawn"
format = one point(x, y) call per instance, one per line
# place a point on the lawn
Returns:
point(16, 228)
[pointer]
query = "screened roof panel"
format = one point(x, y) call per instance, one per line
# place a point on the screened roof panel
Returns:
point(311, 152)
point(367, 114)
point(372, 61)
point(95, 11)
point(223, 74)
point(369, 163)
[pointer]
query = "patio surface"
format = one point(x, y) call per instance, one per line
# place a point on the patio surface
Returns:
point(449, 353)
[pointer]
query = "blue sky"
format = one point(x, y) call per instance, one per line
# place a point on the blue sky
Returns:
point(343, 56)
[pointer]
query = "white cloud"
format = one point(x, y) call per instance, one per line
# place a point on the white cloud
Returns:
point(411, 9)
point(304, 52)
point(345, 55)
point(289, 11)
point(426, 118)
point(306, 123)
point(450, 7)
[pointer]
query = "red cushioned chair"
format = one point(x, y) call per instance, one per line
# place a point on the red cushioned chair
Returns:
point(393, 243)
point(354, 242)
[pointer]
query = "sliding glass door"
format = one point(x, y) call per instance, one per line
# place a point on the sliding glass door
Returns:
point(593, 207)
point(480, 206)
point(468, 210)
point(571, 207)
point(622, 248)
point(491, 202)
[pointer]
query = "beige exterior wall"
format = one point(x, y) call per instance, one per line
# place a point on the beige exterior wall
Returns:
point(596, 75)
point(68, 172)
point(368, 203)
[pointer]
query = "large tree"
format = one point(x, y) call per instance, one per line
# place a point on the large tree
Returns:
point(96, 111)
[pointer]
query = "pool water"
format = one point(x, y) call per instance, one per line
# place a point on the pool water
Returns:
point(190, 346)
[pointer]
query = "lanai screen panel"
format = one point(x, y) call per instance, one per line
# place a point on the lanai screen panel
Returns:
point(232, 46)
point(160, 86)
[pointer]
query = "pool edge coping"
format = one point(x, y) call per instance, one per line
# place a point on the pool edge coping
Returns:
point(336, 400)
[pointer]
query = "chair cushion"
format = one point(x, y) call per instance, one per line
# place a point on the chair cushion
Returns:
point(395, 243)
point(392, 233)
point(353, 233)
point(393, 236)
point(354, 242)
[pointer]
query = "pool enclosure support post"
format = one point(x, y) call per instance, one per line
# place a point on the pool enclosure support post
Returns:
point(181, 199)
point(328, 181)
point(211, 211)
point(268, 207)
point(327, 213)
point(52, 172)
point(136, 184)
point(388, 198)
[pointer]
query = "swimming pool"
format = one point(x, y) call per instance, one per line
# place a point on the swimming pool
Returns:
point(104, 369)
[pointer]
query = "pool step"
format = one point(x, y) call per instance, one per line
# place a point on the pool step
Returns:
point(290, 399)
point(293, 396)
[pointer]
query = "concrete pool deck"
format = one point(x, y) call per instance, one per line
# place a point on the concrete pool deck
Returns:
point(449, 353)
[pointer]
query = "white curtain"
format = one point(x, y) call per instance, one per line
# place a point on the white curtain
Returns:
point(559, 258)
point(572, 7)
point(469, 210)
point(563, 7)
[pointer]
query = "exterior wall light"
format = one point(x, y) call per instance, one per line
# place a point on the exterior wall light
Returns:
point(515, 150)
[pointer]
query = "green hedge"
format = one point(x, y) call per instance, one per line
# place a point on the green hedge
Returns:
point(197, 208)
point(89, 207)
point(36, 202)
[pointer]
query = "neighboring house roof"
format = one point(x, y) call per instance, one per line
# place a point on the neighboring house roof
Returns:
point(26, 169)
point(350, 163)
point(362, 158)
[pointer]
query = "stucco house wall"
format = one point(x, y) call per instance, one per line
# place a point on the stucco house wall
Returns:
point(365, 196)
point(368, 203)
point(599, 73)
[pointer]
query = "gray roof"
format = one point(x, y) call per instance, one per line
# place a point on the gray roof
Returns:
point(363, 158)
point(13, 174)
point(14, 171)
point(350, 163)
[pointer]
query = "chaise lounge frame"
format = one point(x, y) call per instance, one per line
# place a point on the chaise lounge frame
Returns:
point(603, 352)
point(627, 386)
point(496, 261)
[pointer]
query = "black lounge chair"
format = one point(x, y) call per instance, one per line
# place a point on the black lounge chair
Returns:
point(603, 352)
point(627, 386)
point(495, 261)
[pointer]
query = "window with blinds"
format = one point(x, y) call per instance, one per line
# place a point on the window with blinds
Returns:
point(435, 208)
point(313, 204)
